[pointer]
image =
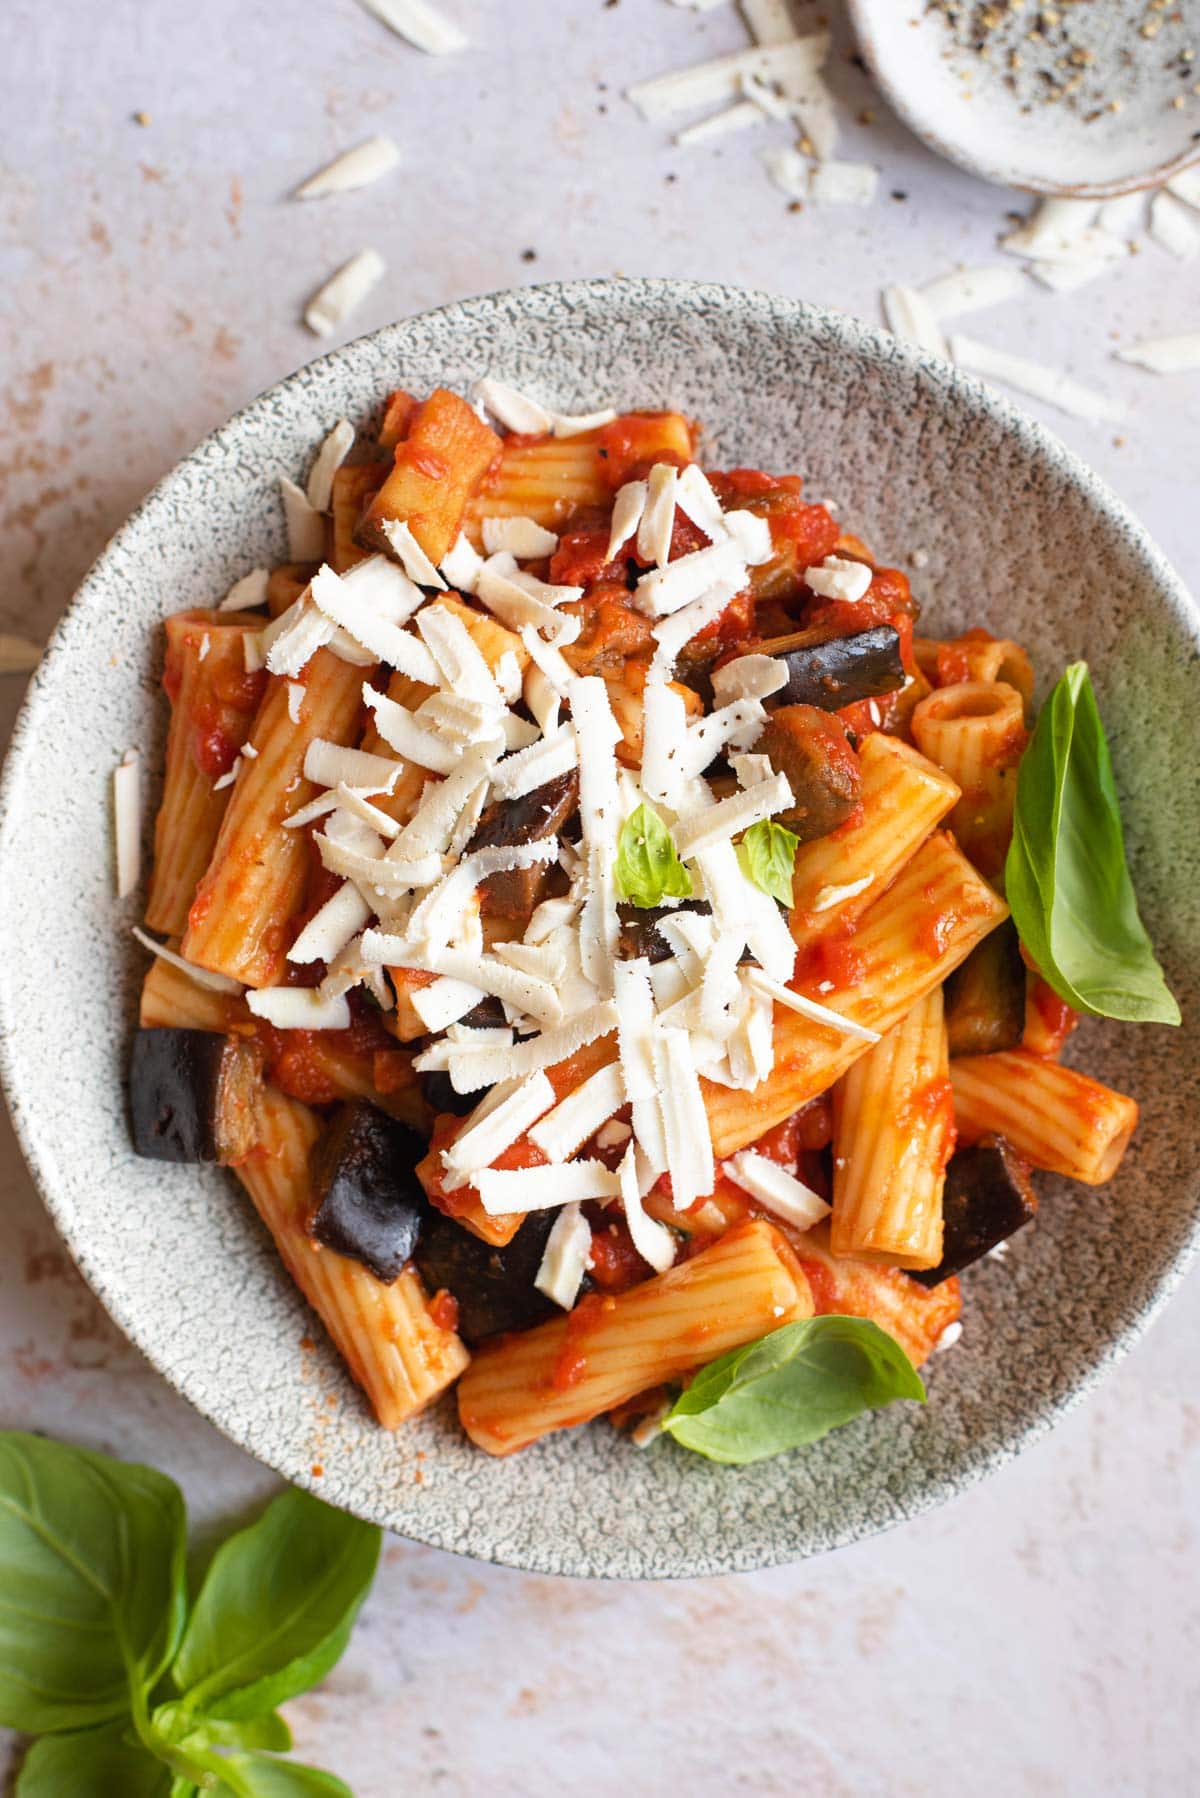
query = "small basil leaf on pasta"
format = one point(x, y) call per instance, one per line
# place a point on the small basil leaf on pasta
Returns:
point(767, 853)
point(276, 1608)
point(791, 1387)
point(94, 1763)
point(648, 867)
point(1066, 876)
point(91, 1583)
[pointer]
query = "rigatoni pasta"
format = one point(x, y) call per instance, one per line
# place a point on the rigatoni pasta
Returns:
point(585, 914)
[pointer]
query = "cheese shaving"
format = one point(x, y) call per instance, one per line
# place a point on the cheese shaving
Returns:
point(299, 1008)
point(344, 291)
point(524, 538)
point(342, 602)
point(417, 565)
point(565, 1257)
point(1032, 378)
point(838, 578)
point(969, 290)
point(329, 458)
point(296, 691)
point(749, 677)
point(699, 830)
point(400, 730)
point(552, 662)
point(305, 525)
point(689, 578)
point(671, 634)
point(127, 822)
point(808, 1008)
point(461, 664)
point(1171, 225)
point(515, 411)
point(367, 162)
point(461, 567)
point(329, 764)
point(294, 638)
point(738, 117)
point(473, 1066)
point(444, 1001)
point(843, 184)
point(1186, 186)
point(652, 1240)
point(909, 315)
point(419, 23)
point(580, 1114)
point(708, 83)
point(776, 1189)
point(788, 171)
point(634, 1006)
point(752, 535)
point(332, 927)
point(829, 896)
point(482, 1140)
point(1164, 355)
point(658, 516)
point(685, 1123)
point(694, 496)
point(530, 768)
point(250, 591)
point(504, 1191)
point(217, 983)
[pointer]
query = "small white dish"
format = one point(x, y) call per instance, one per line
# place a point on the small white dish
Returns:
point(1101, 99)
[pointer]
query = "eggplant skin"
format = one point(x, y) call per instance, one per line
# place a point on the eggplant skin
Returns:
point(640, 935)
point(985, 997)
point(193, 1095)
point(830, 672)
point(436, 1085)
point(370, 1205)
point(493, 1287)
point(987, 1198)
point(509, 823)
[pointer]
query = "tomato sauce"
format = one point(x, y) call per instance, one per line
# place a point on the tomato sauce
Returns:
point(615, 1264)
point(443, 1310)
point(834, 958)
point(1052, 1021)
point(571, 1364)
point(446, 1129)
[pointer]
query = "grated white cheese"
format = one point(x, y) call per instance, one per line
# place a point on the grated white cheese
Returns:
point(229, 777)
point(462, 667)
point(329, 764)
point(778, 1190)
point(685, 1122)
point(417, 566)
point(702, 829)
point(299, 1008)
point(127, 822)
point(580, 1114)
point(250, 591)
point(518, 600)
point(843, 184)
point(400, 730)
point(770, 21)
point(749, 677)
point(839, 578)
point(741, 908)
point(948, 1337)
point(305, 525)
point(329, 458)
point(1164, 355)
point(634, 1003)
point(217, 983)
point(1186, 186)
point(482, 1139)
point(695, 497)
point(689, 578)
point(909, 315)
point(332, 304)
point(829, 896)
point(672, 633)
point(1123, 214)
point(574, 424)
point(515, 411)
point(530, 768)
point(658, 516)
point(613, 1134)
point(565, 1257)
point(504, 1190)
point(296, 691)
point(420, 23)
point(738, 117)
point(752, 535)
point(970, 290)
point(479, 1064)
point(291, 640)
point(367, 162)
point(332, 927)
point(652, 1240)
point(347, 604)
point(1172, 226)
point(808, 1008)
point(1041, 383)
point(444, 1001)
point(461, 567)
point(524, 538)
point(787, 170)
point(1065, 277)
point(708, 83)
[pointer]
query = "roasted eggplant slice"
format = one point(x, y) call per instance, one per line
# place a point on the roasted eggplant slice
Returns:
point(494, 1287)
point(640, 934)
point(830, 672)
point(512, 822)
point(193, 1095)
point(985, 998)
point(370, 1204)
point(988, 1197)
point(810, 749)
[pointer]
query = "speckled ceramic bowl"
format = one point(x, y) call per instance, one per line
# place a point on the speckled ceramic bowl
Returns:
point(1014, 534)
point(1084, 101)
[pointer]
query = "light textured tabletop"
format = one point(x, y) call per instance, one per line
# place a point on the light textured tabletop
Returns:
point(1041, 1635)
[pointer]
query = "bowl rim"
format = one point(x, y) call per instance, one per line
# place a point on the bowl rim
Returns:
point(1000, 174)
point(854, 337)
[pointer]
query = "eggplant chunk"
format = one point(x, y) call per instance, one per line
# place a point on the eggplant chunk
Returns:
point(512, 822)
point(193, 1095)
point(370, 1204)
point(985, 997)
point(640, 934)
point(494, 1287)
point(830, 671)
point(809, 747)
point(988, 1196)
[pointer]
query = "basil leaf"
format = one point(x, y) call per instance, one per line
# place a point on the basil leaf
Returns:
point(181, 1727)
point(1066, 876)
point(648, 868)
point(91, 1583)
point(276, 1608)
point(93, 1763)
point(791, 1387)
point(767, 853)
point(257, 1776)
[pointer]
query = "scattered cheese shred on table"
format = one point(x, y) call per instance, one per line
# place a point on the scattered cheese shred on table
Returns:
point(909, 315)
point(419, 23)
point(1164, 355)
point(367, 162)
point(333, 303)
point(1171, 225)
point(1041, 383)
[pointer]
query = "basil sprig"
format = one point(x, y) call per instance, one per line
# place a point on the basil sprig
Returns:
point(96, 1638)
point(1066, 876)
point(648, 868)
point(791, 1387)
point(767, 853)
